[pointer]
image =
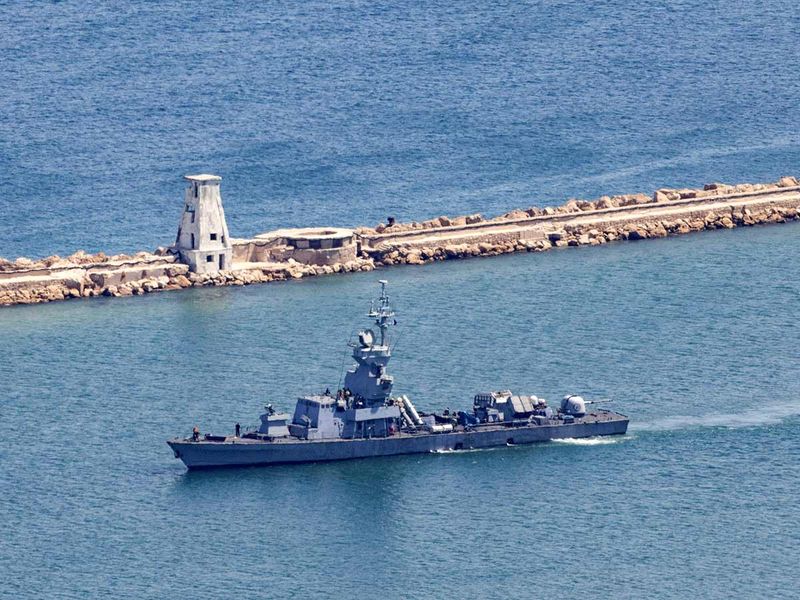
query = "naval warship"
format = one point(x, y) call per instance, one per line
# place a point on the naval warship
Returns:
point(364, 419)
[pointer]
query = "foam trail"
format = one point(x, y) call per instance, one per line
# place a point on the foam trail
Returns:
point(462, 450)
point(771, 414)
point(593, 441)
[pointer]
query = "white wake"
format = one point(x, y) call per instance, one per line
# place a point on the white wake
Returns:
point(771, 414)
point(593, 441)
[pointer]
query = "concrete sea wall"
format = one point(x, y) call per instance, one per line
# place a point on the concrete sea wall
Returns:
point(291, 254)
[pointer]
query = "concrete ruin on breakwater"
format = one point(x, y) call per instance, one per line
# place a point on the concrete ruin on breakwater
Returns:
point(205, 255)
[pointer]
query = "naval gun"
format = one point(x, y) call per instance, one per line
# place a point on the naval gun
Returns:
point(575, 405)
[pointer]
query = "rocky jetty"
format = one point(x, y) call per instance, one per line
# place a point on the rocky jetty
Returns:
point(585, 235)
point(72, 283)
point(575, 223)
point(584, 222)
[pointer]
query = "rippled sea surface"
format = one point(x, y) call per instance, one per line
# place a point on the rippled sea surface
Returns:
point(343, 113)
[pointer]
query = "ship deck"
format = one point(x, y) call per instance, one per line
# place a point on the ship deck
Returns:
point(594, 417)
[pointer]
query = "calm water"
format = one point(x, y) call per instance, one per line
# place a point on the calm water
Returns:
point(343, 113)
point(320, 113)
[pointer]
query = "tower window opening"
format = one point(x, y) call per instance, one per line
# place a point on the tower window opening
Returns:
point(213, 237)
point(209, 258)
point(193, 246)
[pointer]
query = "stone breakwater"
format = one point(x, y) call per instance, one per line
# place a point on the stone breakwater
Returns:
point(54, 278)
point(585, 223)
point(575, 223)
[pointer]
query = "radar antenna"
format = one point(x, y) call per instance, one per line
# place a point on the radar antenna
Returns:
point(383, 314)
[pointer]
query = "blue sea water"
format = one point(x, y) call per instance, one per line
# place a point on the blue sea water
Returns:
point(343, 113)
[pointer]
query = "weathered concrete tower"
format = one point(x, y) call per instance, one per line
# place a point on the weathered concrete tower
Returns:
point(203, 240)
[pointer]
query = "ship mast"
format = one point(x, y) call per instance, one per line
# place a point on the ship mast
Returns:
point(383, 315)
point(368, 380)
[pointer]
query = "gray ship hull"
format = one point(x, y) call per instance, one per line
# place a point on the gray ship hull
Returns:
point(237, 452)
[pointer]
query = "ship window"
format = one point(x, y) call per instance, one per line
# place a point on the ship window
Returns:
point(209, 258)
point(213, 237)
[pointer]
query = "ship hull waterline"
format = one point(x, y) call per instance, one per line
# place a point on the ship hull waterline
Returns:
point(243, 452)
